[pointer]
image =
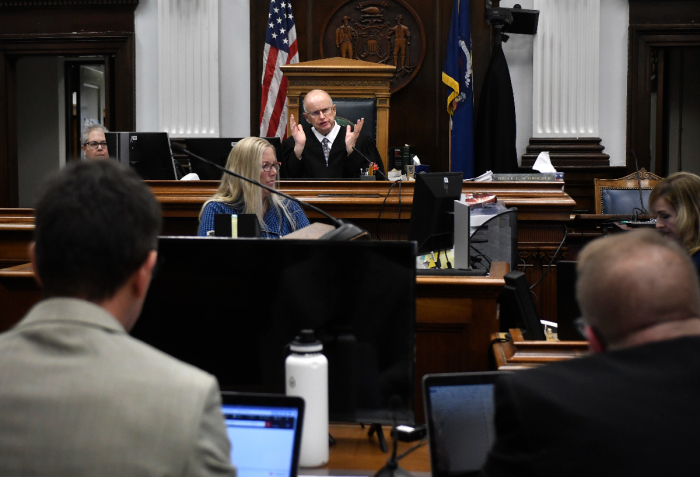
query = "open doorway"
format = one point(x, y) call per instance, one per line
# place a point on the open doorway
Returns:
point(675, 110)
point(56, 97)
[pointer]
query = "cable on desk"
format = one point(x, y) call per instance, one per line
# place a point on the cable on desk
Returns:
point(381, 209)
point(421, 443)
point(551, 261)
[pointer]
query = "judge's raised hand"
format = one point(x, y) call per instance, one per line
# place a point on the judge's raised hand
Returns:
point(351, 136)
point(298, 135)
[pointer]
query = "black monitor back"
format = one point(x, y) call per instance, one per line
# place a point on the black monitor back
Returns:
point(147, 152)
point(518, 309)
point(217, 149)
point(567, 304)
point(432, 212)
point(230, 306)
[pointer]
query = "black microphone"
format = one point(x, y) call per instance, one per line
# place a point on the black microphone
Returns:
point(639, 183)
point(392, 468)
point(368, 161)
point(343, 230)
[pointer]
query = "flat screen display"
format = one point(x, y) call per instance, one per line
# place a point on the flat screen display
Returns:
point(231, 306)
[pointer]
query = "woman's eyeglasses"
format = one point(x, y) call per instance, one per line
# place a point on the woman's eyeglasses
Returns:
point(267, 166)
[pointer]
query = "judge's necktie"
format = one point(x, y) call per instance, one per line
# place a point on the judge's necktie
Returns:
point(326, 144)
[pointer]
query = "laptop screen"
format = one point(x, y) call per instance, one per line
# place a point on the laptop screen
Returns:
point(262, 439)
point(460, 413)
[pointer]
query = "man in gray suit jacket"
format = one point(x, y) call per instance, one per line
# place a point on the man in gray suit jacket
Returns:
point(78, 395)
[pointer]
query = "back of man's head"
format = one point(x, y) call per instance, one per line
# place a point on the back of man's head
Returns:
point(96, 223)
point(632, 282)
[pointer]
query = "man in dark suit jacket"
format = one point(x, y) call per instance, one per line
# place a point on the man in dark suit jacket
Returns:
point(306, 156)
point(632, 407)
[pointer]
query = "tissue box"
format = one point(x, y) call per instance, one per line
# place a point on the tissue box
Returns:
point(422, 168)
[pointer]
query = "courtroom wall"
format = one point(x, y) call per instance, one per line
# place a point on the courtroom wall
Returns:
point(235, 77)
point(614, 21)
point(234, 66)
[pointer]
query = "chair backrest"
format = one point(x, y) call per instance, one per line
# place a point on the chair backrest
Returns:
point(350, 110)
point(621, 196)
point(344, 78)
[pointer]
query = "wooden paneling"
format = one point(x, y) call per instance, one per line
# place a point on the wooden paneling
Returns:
point(517, 353)
point(655, 23)
point(544, 210)
point(664, 12)
point(418, 111)
point(16, 231)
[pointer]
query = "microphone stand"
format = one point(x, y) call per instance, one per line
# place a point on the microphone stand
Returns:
point(368, 161)
point(392, 468)
point(639, 183)
point(343, 230)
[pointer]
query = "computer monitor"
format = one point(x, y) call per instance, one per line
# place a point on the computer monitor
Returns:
point(147, 152)
point(432, 213)
point(231, 306)
point(517, 307)
point(217, 149)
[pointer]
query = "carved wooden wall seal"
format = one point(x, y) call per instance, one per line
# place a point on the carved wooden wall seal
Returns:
point(381, 31)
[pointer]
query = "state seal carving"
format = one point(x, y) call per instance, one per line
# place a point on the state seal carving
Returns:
point(381, 31)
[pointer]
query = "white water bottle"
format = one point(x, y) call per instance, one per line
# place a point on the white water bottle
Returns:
point(306, 371)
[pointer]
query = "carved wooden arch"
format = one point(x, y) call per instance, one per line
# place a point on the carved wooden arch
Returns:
point(120, 46)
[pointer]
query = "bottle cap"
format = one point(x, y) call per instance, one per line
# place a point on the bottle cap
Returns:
point(306, 342)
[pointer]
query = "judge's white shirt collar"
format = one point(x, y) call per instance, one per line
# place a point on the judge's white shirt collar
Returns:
point(330, 136)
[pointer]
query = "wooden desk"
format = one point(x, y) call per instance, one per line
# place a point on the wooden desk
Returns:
point(587, 227)
point(544, 210)
point(16, 230)
point(521, 354)
point(354, 450)
point(454, 318)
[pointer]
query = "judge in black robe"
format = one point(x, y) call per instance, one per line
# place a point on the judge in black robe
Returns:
point(302, 154)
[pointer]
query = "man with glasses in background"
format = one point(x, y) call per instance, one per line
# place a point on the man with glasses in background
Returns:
point(325, 149)
point(94, 143)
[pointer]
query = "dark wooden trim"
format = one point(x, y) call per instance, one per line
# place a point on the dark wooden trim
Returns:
point(569, 151)
point(641, 39)
point(660, 105)
point(120, 45)
point(44, 4)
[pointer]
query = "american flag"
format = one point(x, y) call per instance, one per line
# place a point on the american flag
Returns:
point(280, 49)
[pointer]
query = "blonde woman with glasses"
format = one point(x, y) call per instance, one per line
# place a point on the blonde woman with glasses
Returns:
point(254, 158)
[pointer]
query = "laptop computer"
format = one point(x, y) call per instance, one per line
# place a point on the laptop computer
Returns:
point(265, 433)
point(459, 413)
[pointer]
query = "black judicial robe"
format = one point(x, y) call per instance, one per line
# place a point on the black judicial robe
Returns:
point(494, 131)
point(340, 165)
